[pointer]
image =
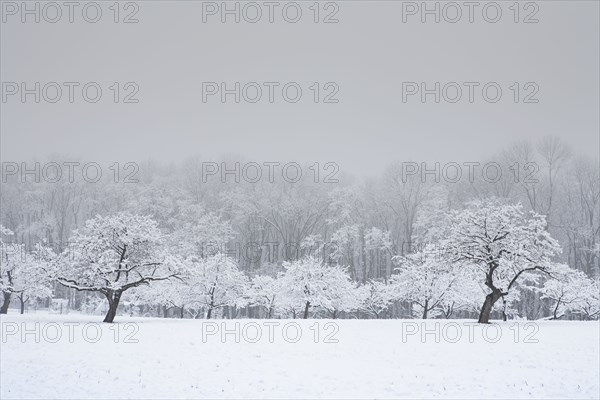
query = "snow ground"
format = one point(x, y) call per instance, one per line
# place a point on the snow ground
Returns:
point(371, 359)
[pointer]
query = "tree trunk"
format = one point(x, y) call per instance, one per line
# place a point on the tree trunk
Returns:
point(363, 254)
point(488, 304)
point(181, 312)
point(306, 310)
point(6, 303)
point(269, 315)
point(212, 303)
point(113, 304)
point(425, 308)
point(334, 314)
point(22, 305)
point(556, 309)
point(504, 317)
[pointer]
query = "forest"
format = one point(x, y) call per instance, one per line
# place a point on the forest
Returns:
point(512, 236)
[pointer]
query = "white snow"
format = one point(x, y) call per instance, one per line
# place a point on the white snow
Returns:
point(370, 359)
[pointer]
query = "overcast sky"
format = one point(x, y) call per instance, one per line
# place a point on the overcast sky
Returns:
point(170, 52)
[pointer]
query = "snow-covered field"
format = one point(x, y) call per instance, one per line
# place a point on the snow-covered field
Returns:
point(170, 358)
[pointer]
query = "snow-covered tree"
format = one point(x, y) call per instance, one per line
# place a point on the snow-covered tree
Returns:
point(263, 292)
point(113, 254)
point(33, 280)
point(502, 244)
point(589, 304)
point(564, 288)
point(24, 274)
point(467, 294)
point(431, 222)
point(344, 243)
point(375, 297)
point(10, 258)
point(217, 282)
point(309, 283)
point(168, 294)
point(340, 292)
point(377, 239)
point(571, 291)
point(426, 279)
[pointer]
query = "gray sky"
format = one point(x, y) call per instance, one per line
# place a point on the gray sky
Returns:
point(369, 53)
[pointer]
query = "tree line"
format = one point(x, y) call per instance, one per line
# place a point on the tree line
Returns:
point(393, 236)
